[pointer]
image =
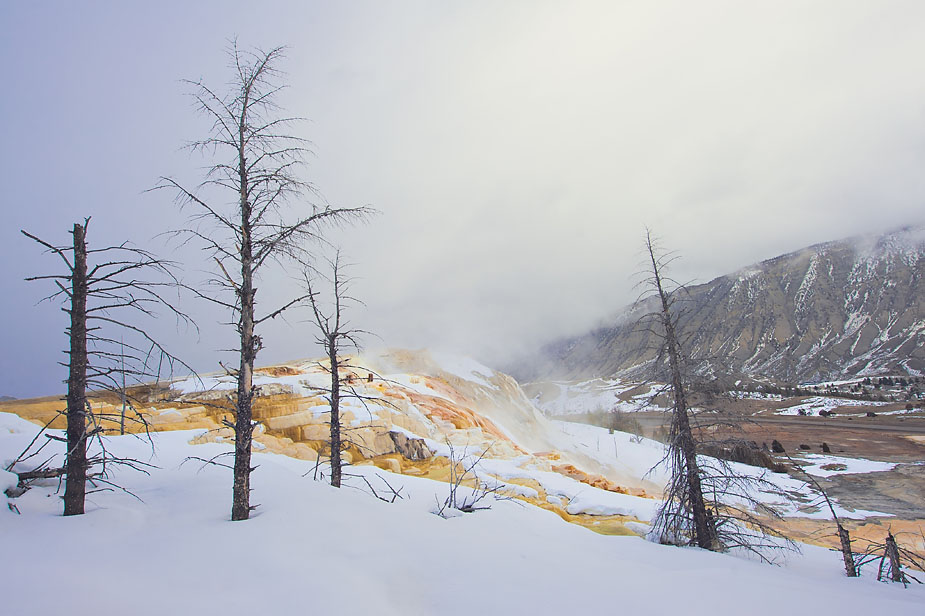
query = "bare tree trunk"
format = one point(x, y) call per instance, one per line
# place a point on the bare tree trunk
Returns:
point(851, 568)
point(892, 553)
point(335, 412)
point(704, 527)
point(240, 507)
point(332, 336)
point(94, 296)
point(847, 554)
point(76, 464)
point(261, 168)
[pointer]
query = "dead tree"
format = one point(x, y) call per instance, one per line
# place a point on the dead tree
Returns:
point(844, 537)
point(890, 555)
point(891, 552)
point(462, 470)
point(708, 502)
point(251, 210)
point(334, 334)
point(684, 511)
point(101, 288)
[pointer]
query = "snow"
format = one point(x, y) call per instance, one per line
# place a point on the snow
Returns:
point(625, 453)
point(805, 291)
point(310, 383)
point(904, 412)
point(581, 498)
point(812, 406)
point(754, 395)
point(852, 465)
point(411, 383)
point(620, 457)
point(612, 503)
point(310, 546)
point(8, 480)
point(592, 396)
point(464, 367)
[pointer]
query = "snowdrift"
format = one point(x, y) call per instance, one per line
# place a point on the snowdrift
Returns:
point(312, 547)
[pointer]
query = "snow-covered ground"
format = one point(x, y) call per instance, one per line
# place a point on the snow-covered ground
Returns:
point(310, 547)
point(812, 406)
point(754, 395)
point(642, 457)
point(916, 412)
point(307, 384)
point(838, 465)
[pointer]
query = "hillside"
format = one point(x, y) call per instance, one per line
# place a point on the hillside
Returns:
point(418, 413)
point(841, 309)
point(310, 544)
point(405, 420)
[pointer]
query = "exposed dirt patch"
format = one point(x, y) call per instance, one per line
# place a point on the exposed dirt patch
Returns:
point(864, 438)
point(900, 492)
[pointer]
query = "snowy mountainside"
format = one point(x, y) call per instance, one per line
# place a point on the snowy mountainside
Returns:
point(841, 309)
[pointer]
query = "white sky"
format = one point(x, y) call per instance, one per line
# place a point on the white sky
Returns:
point(516, 150)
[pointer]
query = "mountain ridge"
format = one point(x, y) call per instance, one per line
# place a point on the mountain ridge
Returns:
point(839, 309)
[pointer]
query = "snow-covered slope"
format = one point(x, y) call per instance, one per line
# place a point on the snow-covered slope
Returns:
point(589, 396)
point(309, 547)
point(402, 412)
point(439, 401)
point(410, 412)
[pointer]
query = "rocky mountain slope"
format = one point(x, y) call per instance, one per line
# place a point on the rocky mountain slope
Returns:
point(840, 309)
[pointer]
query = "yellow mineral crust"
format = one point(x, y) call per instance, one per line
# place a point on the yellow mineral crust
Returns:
point(598, 481)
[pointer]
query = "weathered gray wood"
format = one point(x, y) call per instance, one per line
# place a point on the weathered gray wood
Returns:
point(75, 484)
point(244, 412)
point(45, 473)
point(682, 445)
point(336, 464)
point(847, 554)
point(892, 554)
